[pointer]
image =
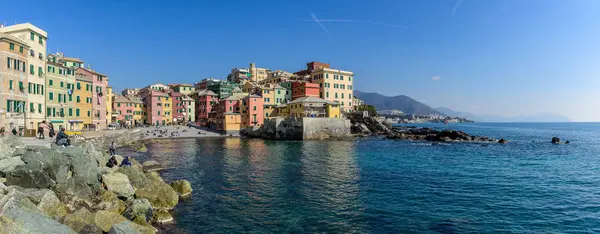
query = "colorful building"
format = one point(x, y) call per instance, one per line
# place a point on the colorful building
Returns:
point(305, 89)
point(184, 89)
point(130, 92)
point(99, 82)
point(313, 107)
point(83, 101)
point(139, 114)
point(59, 100)
point(205, 102)
point(189, 107)
point(253, 111)
point(336, 85)
point(35, 40)
point(13, 73)
point(123, 108)
point(110, 96)
point(177, 106)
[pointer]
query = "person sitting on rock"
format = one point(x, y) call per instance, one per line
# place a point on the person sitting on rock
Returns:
point(126, 162)
point(62, 138)
point(112, 162)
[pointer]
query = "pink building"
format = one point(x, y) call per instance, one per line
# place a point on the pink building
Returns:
point(255, 110)
point(123, 108)
point(206, 100)
point(227, 105)
point(153, 100)
point(99, 84)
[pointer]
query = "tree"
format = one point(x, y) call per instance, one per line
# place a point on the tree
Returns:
point(371, 109)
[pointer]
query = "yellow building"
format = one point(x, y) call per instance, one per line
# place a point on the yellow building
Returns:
point(232, 122)
point(83, 103)
point(336, 86)
point(269, 111)
point(139, 116)
point(109, 99)
point(185, 89)
point(313, 107)
point(168, 110)
point(282, 111)
point(258, 74)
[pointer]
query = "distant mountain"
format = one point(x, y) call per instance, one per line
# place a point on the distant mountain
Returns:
point(496, 118)
point(400, 102)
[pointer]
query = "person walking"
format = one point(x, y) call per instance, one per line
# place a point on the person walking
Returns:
point(51, 130)
point(112, 148)
point(41, 128)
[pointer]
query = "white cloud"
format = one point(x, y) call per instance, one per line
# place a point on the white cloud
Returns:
point(436, 77)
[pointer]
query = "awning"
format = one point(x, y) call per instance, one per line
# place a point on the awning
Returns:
point(75, 121)
point(56, 121)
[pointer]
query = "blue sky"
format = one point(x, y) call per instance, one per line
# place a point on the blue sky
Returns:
point(491, 57)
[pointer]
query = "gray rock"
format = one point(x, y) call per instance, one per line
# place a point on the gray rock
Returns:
point(52, 206)
point(8, 164)
point(27, 178)
point(107, 200)
point(19, 215)
point(123, 228)
point(90, 229)
point(79, 219)
point(182, 187)
point(160, 194)
point(135, 174)
point(152, 165)
point(139, 209)
point(118, 183)
point(7, 146)
point(106, 219)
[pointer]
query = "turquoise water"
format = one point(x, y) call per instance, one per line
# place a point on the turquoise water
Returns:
point(380, 186)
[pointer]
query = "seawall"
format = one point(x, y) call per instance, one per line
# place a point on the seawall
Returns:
point(301, 129)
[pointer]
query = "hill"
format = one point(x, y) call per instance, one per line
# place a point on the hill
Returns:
point(401, 102)
point(496, 118)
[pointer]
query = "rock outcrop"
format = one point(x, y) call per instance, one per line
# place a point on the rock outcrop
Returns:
point(69, 190)
point(182, 187)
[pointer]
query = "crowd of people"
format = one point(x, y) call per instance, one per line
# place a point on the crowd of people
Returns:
point(62, 139)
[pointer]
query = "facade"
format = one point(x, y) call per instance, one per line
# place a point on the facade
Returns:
point(153, 103)
point(336, 86)
point(305, 89)
point(83, 102)
point(139, 114)
point(13, 75)
point(184, 89)
point(36, 40)
point(98, 96)
point(130, 92)
point(124, 109)
point(189, 106)
point(287, 85)
point(177, 106)
point(223, 89)
point(313, 107)
point(258, 74)
point(109, 98)
point(205, 102)
point(237, 75)
point(59, 101)
point(254, 108)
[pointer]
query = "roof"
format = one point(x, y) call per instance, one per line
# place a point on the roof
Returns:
point(254, 96)
point(120, 98)
point(205, 92)
point(13, 38)
point(232, 98)
point(237, 89)
point(24, 27)
point(312, 100)
point(231, 113)
point(72, 59)
point(278, 87)
point(136, 100)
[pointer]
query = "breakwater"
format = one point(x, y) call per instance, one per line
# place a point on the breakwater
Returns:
point(70, 190)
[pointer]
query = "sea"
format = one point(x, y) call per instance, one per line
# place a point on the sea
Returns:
point(374, 185)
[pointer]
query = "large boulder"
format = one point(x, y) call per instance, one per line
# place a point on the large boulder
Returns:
point(8, 146)
point(106, 219)
point(108, 201)
point(182, 187)
point(555, 140)
point(162, 216)
point(75, 185)
point(79, 219)
point(9, 164)
point(135, 174)
point(19, 215)
point(119, 184)
point(27, 177)
point(152, 165)
point(140, 209)
point(52, 206)
point(160, 194)
point(91, 229)
point(128, 227)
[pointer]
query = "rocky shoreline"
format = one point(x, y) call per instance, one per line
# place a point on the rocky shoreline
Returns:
point(368, 126)
point(69, 190)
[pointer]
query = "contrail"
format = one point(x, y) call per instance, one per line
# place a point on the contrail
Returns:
point(456, 6)
point(355, 21)
point(316, 20)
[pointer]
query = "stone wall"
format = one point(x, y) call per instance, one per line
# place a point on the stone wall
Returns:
point(301, 129)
